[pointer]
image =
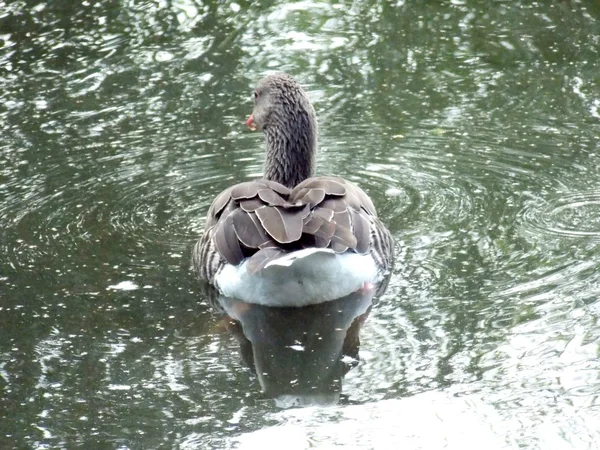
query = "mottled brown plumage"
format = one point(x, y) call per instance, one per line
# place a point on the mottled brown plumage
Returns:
point(289, 209)
point(323, 212)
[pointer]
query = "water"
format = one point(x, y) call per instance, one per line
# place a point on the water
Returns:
point(473, 125)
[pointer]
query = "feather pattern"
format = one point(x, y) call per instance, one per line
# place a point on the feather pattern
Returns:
point(256, 225)
point(282, 225)
point(226, 241)
point(248, 229)
point(326, 212)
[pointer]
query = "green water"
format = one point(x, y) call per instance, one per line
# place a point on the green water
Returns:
point(473, 125)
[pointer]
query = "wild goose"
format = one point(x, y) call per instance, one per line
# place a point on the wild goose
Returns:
point(291, 239)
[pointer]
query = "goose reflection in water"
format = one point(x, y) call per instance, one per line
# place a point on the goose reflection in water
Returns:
point(300, 354)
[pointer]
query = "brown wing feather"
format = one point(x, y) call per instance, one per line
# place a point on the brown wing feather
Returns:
point(344, 235)
point(334, 204)
point(270, 197)
point(331, 185)
point(325, 231)
point(281, 224)
point(248, 229)
point(312, 197)
point(323, 213)
point(216, 208)
point(220, 202)
point(248, 189)
point(227, 243)
point(251, 205)
point(357, 196)
point(312, 223)
point(343, 219)
point(361, 230)
point(263, 215)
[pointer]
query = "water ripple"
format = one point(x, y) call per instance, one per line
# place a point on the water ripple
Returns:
point(166, 208)
point(574, 215)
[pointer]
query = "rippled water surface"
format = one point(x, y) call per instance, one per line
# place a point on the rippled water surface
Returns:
point(474, 126)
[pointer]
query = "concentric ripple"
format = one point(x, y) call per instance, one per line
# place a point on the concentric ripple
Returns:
point(129, 204)
point(571, 215)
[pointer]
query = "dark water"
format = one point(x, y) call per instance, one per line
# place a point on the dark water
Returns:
point(474, 126)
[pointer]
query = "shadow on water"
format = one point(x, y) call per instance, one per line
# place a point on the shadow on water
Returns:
point(299, 355)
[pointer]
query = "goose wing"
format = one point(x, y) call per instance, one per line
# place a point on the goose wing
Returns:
point(262, 219)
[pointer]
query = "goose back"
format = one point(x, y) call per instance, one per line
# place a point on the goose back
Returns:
point(262, 220)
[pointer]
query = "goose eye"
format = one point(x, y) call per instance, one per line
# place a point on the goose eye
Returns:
point(255, 95)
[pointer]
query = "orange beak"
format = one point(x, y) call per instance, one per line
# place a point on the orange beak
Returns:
point(250, 123)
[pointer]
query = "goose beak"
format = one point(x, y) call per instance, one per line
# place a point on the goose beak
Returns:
point(251, 124)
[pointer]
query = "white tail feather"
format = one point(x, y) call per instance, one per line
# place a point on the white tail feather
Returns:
point(299, 278)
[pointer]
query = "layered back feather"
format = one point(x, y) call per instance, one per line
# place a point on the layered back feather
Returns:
point(263, 220)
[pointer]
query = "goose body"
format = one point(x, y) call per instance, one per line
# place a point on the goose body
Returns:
point(291, 239)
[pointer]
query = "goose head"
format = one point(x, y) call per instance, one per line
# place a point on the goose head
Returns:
point(284, 113)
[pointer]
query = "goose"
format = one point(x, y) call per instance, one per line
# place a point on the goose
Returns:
point(291, 238)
